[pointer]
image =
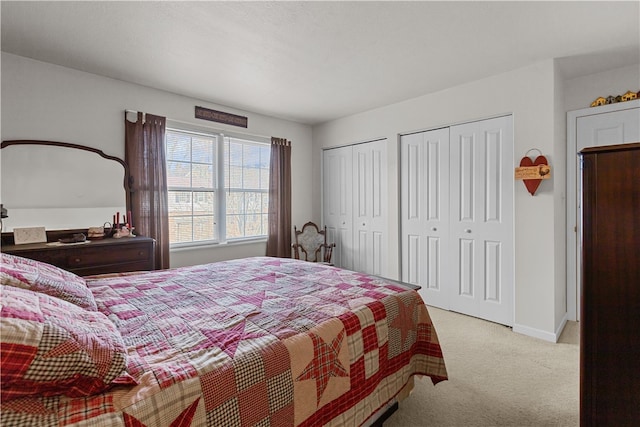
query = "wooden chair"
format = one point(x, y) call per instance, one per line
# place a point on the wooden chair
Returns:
point(311, 244)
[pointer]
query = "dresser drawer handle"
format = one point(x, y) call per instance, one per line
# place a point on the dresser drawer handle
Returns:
point(76, 260)
point(141, 253)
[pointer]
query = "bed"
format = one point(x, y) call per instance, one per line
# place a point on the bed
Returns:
point(257, 341)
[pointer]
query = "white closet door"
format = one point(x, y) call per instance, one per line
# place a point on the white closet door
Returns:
point(370, 207)
point(615, 127)
point(337, 203)
point(424, 162)
point(482, 219)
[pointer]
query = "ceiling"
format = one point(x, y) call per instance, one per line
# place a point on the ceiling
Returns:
point(311, 62)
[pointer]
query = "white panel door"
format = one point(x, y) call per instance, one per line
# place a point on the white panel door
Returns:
point(370, 207)
point(424, 183)
point(482, 219)
point(337, 203)
point(616, 127)
point(611, 128)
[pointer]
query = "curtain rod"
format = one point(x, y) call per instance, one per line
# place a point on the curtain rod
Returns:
point(207, 127)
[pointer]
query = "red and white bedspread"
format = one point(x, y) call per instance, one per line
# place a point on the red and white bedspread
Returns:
point(260, 341)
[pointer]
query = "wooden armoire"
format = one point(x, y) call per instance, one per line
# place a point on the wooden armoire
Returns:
point(610, 323)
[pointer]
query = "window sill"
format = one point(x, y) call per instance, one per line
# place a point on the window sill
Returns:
point(178, 247)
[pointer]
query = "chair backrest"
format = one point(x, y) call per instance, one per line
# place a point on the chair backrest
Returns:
point(311, 243)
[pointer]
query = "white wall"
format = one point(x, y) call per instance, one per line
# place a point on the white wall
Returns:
point(528, 94)
point(45, 101)
point(580, 92)
point(559, 204)
point(539, 97)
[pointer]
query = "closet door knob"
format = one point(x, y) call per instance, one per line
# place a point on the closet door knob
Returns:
point(468, 230)
point(434, 229)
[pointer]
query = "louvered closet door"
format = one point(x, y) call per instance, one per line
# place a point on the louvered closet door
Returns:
point(370, 207)
point(424, 163)
point(482, 219)
point(337, 203)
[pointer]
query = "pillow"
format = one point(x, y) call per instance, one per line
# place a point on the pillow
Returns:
point(50, 347)
point(47, 279)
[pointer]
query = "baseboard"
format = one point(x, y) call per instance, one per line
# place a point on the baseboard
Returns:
point(540, 334)
point(560, 327)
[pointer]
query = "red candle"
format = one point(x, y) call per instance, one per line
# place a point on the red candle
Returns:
point(118, 219)
point(130, 219)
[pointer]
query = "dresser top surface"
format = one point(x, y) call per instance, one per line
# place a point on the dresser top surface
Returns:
point(88, 244)
point(609, 148)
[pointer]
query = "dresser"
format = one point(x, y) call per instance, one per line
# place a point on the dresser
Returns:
point(93, 257)
point(610, 322)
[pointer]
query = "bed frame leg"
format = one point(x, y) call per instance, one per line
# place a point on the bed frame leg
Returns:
point(380, 421)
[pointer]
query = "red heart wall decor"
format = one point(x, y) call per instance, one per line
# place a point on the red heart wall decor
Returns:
point(533, 184)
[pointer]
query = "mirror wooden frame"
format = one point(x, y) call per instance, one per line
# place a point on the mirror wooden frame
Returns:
point(127, 176)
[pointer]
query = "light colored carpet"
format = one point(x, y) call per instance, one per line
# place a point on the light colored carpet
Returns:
point(496, 378)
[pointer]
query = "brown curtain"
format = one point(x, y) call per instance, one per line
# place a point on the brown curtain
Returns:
point(145, 155)
point(279, 239)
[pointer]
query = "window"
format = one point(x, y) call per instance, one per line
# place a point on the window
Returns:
point(218, 187)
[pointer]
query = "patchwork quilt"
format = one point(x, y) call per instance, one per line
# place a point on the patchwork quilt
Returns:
point(259, 341)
